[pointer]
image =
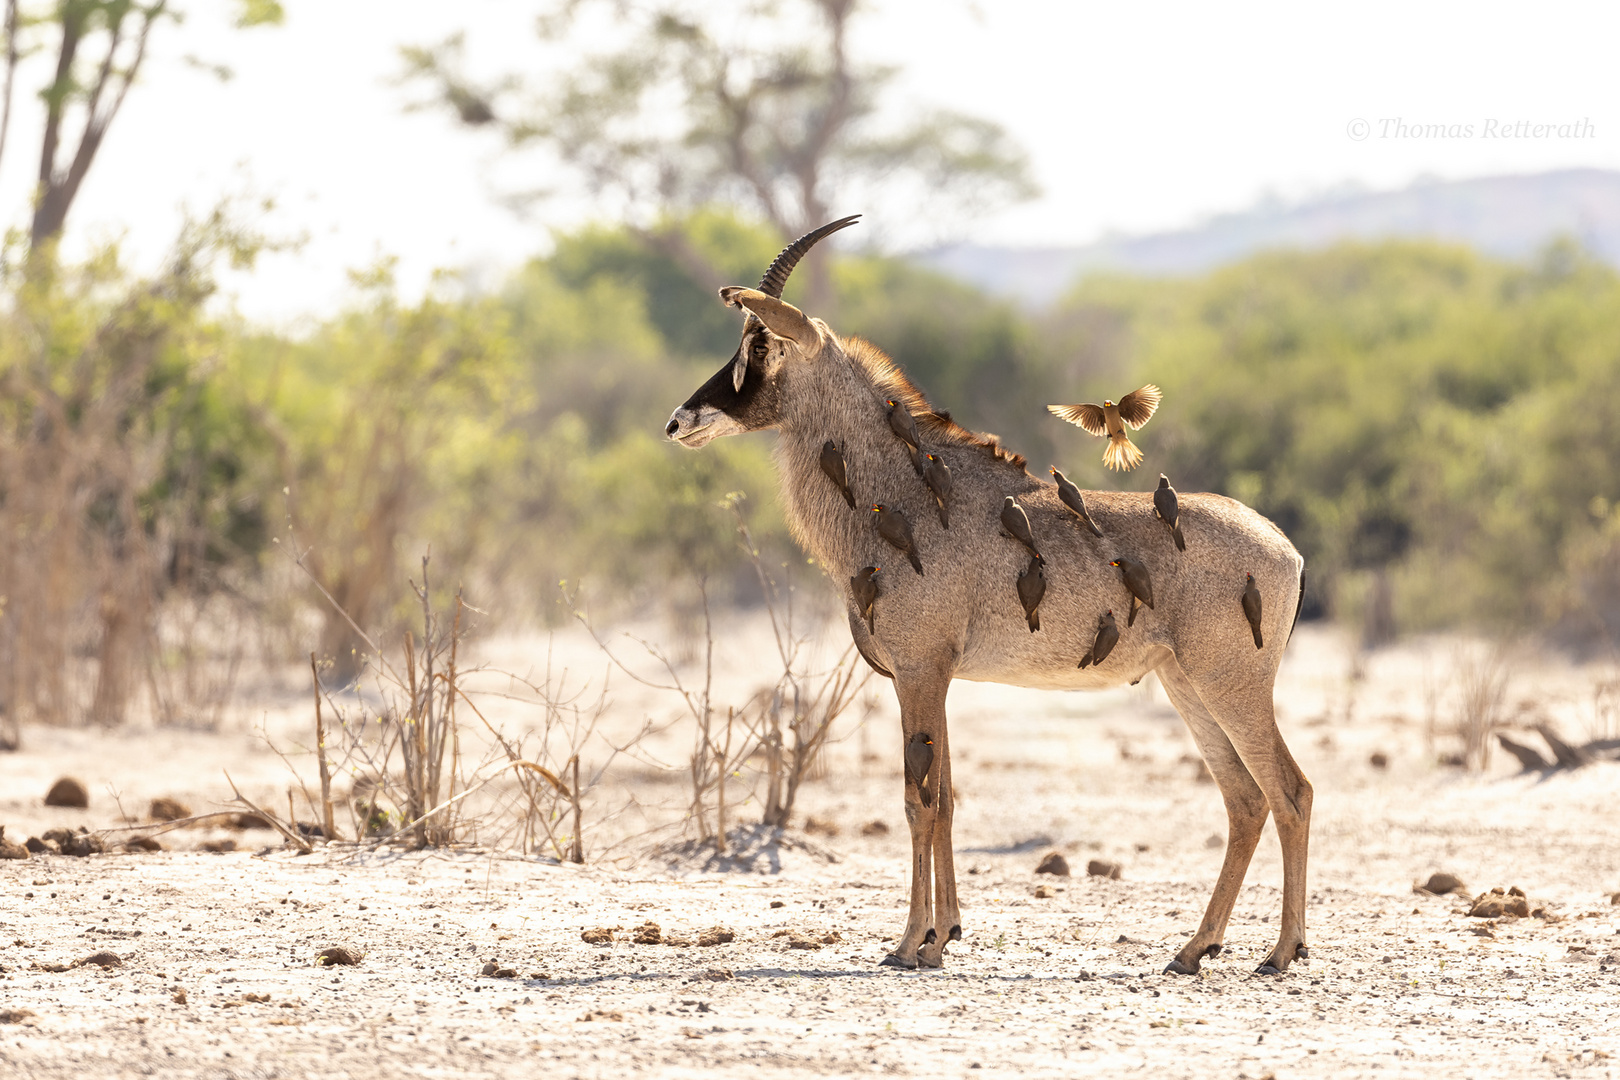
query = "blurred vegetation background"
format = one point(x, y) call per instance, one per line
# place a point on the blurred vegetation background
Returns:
point(1437, 431)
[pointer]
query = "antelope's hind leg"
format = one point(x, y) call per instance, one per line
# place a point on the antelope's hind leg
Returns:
point(1246, 812)
point(947, 916)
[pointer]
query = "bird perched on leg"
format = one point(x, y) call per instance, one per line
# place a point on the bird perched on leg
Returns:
point(893, 527)
point(903, 424)
point(1251, 609)
point(937, 475)
point(1137, 582)
point(832, 463)
point(1167, 509)
point(920, 759)
point(1074, 501)
point(1111, 419)
point(1031, 588)
point(865, 591)
point(1103, 644)
point(1016, 522)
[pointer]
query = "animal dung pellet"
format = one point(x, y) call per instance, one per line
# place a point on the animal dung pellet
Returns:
point(601, 935)
point(1103, 869)
point(1044, 892)
point(101, 960)
point(1378, 760)
point(718, 975)
point(1054, 863)
point(597, 1015)
point(68, 792)
point(1214, 840)
point(778, 903)
point(875, 828)
point(338, 956)
point(179, 995)
point(164, 808)
point(815, 825)
point(1499, 902)
point(1439, 884)
point(647, 933)
point(716, 935)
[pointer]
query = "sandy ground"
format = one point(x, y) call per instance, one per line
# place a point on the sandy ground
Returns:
point(1398, 984)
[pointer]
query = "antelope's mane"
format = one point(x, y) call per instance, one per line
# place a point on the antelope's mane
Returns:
point(890, 382)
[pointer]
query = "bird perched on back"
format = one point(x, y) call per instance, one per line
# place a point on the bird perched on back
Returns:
point(1111, 419)
point(894, 527)
point(919, 760)
point(903, 424)
point(1137, 582)
point(1103, 644)
point(1251, 609)
point(1074, 501)
point(832, 463)
point(1016, 522)
point(1031, 589)
point(1167, 509)
point(937, 475)
point(866, 592)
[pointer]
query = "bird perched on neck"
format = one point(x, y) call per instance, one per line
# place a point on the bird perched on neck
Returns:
point(1031, 590)
point(894, 527)
point(1167, 509)
point(1111, 419)
point(1137, 582)
point(937, 475)
point(1103, 644)
point(866, 592)
point(832, 463)
point(904, 425)
point(1016, 522)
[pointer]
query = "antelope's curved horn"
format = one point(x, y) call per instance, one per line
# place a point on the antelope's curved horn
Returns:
point(776, 277)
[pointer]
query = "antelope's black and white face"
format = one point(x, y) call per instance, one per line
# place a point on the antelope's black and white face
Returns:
point(742, 396)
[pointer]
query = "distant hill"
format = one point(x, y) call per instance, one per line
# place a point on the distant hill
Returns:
point(1510, 216)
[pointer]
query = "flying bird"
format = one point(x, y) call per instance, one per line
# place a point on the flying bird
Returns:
point(1107, 637)
point(865, 591)
point(1137, 582)
point(1111, 419)
point(1251, 609)
point(893, 527)
point(937, 475)
point(1031, 588)
point(1016, 522)
point(832, 463)
point(920, 759)
point(903, 424)
point(1167, 509)
point(1074, 501)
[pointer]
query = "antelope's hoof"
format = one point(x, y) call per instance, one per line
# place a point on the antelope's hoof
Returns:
point(1302, 953)
point(956, 933)
point(932, 956)
point(1176, 967)
point(1268, 968)
point(895, 960)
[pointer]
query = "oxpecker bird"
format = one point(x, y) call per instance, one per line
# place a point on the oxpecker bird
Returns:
point(1074, 501)
point(1107, 637)
point(903, 424)
point(1251, 609)
point(1016, 522)
point(865, 591)
point(1167, 509)
point(832, 463)
point(1111, 419)
point(937, 475)
point(920, 759)
point(1031, 588)
point(1137, 583)
point(893, 527)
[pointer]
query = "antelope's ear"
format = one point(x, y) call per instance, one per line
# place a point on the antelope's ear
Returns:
point(780, 318)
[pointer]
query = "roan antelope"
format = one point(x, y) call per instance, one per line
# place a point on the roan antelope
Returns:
point(960, 618)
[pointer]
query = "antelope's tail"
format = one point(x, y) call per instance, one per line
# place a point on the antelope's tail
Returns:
point(1122, 454)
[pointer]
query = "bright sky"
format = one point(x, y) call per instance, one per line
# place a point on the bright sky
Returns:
point(1138, 117)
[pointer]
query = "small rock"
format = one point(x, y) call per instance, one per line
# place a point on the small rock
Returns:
point(68, 792)
point(647, 934)
point(1054, 863)
point(489, 968)
point(10, 850)
point(875, 828)
point(1378, 760)
point(602, 935)
point(1103, 869)
point(718, 975)
point(601, 1015)
point(101, 960)
point(143, 843)
point(164, 808)
point(799, 941)
point(496, 971)
point(338, 956)
point(1214, 840)
point(247, 821)
point(1441, 884)
point(14, 1016)
point(256, 999)
point(1614, 899)
point(81, 845)
point(778, 903)
point(43, 847)
point(219, 847)
point(58, 836)
point(716, 935)
point(1044, 892)
point(815, 825)
point(179, 995)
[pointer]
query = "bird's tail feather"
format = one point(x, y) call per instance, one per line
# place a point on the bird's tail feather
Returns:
point(944, 516)
point(1181, 541)
point(1034, 621)
point(849, 497)
point(916, 563)
point(1122, 454)
point(1258, 643)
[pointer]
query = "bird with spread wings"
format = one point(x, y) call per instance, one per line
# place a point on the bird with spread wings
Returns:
point(1111, 419)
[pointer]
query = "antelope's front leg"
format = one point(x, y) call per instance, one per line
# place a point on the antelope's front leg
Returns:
point(922, 724)
point(947, 916)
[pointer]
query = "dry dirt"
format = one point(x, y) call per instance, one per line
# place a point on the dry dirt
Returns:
point(1398, 984)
